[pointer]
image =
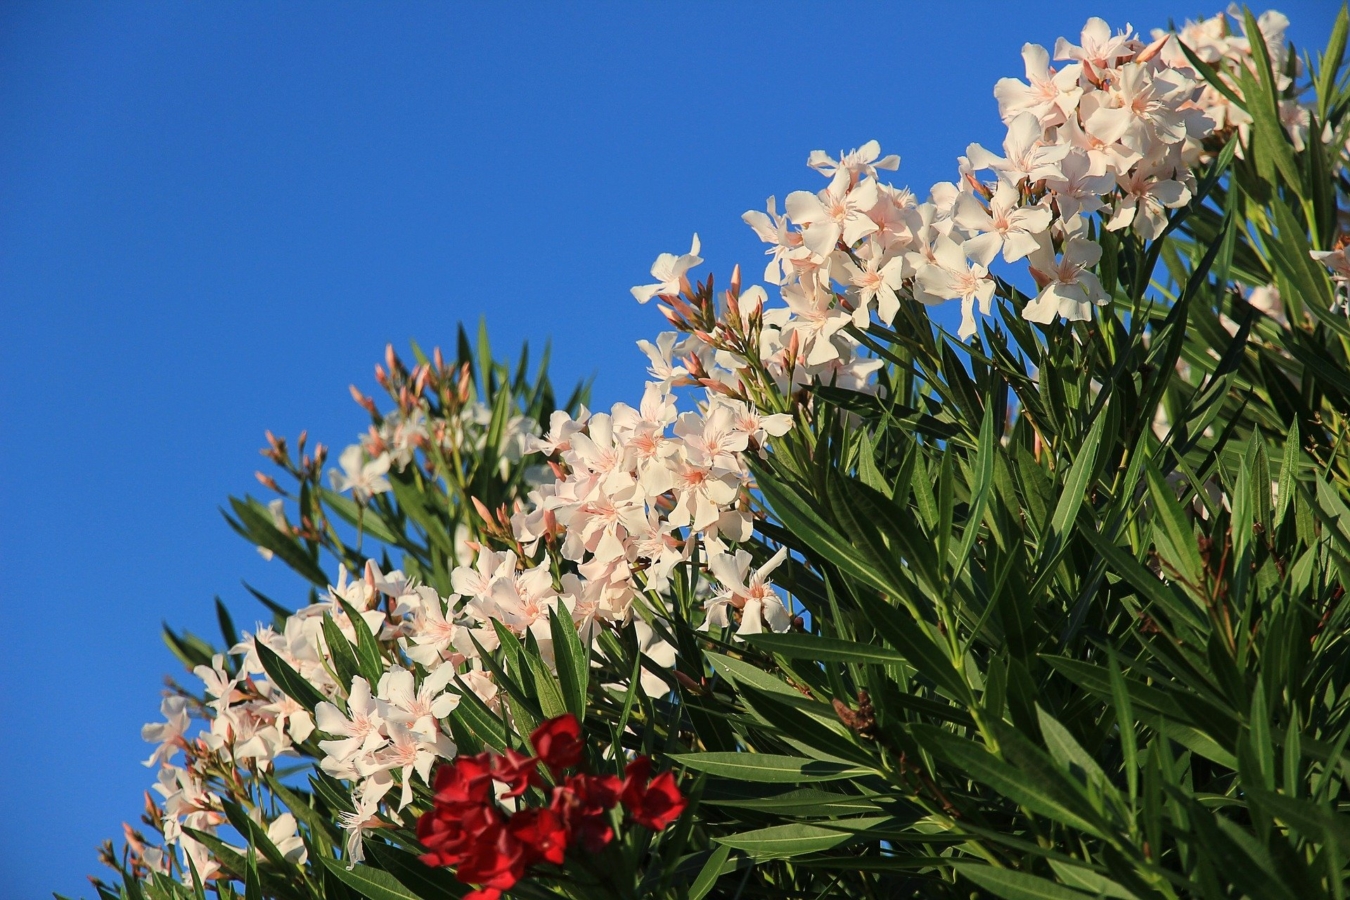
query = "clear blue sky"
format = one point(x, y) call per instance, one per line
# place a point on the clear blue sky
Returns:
point(214, 216)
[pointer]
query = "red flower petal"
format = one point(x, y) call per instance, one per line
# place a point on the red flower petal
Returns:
point(558, 742)
point(653, 805)
point(543, 834)
point(517, 770)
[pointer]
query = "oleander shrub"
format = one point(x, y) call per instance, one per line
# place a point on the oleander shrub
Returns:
point(846, 605)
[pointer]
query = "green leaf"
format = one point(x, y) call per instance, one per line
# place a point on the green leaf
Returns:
point(801, 520)
point(413, 502)
point(916, 643)
point(811, 802)
point(300, 806)
point(331, 791)
point(369, 660)
point(255, 524)
point(1150, 586)
point(227, 630)
point(822, 649)
point(340, 653)
point(1090, 881)
point(355, 515)
point(785, 841)
point(1012, 885)
point(885, 533)
point(1129, 747)
point(1312, 820)
point(1046, 794)
point(252, 884)
point(480, 721)
point(984, 479)
point(546, 687)
point(1066, 750)
point(427, 882)
point(1198, 742)
point(743, 673)
point(254, 834)
point(806, 733)
point(1263, 106)
point(1076, 484)
point(287, 679)
point(369, 882)
point(1284, 493)
point(713, 869)
point(767, 767)
point(1168, 515)
point(573, 661)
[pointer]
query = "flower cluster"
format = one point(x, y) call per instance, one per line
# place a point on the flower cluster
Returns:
point(1224, 45)
point(636, 488)
point(1114, 128)
point(468, 829)
point(250, 722)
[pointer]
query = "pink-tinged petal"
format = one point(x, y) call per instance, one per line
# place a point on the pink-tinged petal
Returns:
point(645, 292)
point(772, 563)
point(1109, 124)
point(1023, 133)
point(804, 207)
point(981, 158)
point(856, 228)
point(762, 225)
point(984, 247)
point(967, 328)
point(1171, 193)
point(776, 615)
point(948, 255)
point(888, 305)
point(1083, 252)
point(1122, 217)
point(1017, 245)
point(821, 237)
point(751, 618)
point(971, 215)
point(1045, 308)
point(735, 525)
point(1036, 62)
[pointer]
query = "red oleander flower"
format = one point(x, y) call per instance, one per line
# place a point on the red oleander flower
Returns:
point(558, 742)
point(450, 833)
point(542, 833)
point(582, 802)
point(655, 803)
point(487, 847)
point(497, 860)
point(516, 770)
point(465, 782)
point(635, 778)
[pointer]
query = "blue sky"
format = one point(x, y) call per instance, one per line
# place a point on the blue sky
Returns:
point(214, 216)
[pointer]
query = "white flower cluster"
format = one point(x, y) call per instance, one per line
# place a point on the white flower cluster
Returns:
point(1214, 41)
point(249, 724)
point(1115, 130)
point(639, 488)
point(368, 734)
